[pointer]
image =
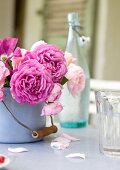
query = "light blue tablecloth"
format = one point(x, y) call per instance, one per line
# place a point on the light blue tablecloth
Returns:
point(42, 157)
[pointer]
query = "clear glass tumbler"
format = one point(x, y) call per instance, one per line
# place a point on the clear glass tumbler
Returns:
point(108, 109)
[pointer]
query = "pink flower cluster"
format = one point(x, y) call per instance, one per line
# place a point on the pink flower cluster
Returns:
point(36, 76)
point(4, 72)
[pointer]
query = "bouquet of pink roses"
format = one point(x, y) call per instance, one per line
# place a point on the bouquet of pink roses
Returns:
point(38, 75)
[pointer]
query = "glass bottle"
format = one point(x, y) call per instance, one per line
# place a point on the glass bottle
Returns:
point(75, 112)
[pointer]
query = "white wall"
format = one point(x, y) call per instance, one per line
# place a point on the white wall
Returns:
point(112, 50)
point(7, 18)
point(33, 22)
point(107, 51)
point(100, 40)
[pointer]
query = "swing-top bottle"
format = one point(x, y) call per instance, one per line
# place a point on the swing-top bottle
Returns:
point(75, 112)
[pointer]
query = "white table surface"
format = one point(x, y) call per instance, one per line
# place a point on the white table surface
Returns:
point(42, 157)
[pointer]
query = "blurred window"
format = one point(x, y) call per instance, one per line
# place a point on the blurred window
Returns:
point(56, 19)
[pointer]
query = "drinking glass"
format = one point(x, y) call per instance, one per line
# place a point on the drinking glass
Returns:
point(108, 109)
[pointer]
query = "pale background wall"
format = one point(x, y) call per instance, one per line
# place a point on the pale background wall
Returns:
point(6, 17)
point(33, 24)
point(112, 51)
point(107, 46)
point(105, 58)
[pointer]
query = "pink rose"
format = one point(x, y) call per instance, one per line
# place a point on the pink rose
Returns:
point(1, 94)
point(37, 44)
point(56, 93)
point(18, 57)
point(76, 79)
point(4, 72)
point(52, 109)
point(7, 45)
point(69, 58)
point(31, 83)
point(53, 59)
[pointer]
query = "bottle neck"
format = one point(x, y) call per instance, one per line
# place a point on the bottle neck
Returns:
point(73, 31)
point(73, 36)
point(73, 46)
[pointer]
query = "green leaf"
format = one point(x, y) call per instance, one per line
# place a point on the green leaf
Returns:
point(7, 82)
point(10, 64)
point(64, 80)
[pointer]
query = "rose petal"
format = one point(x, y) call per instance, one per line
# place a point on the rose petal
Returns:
point(59, 146)
point(70, 137)
point(18, 150)
point(76, 155)
point(62, 140)
point(52, 109)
